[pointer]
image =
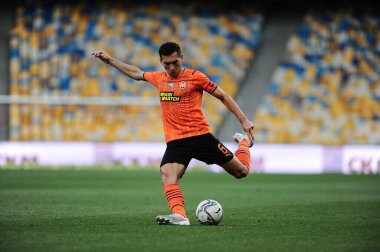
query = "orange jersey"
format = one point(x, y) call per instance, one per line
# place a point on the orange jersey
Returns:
point(181, 102)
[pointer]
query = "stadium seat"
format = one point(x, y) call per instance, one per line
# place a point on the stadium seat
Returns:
point(323, 92)
point(50, 55)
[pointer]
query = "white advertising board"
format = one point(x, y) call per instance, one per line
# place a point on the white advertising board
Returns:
point(305, 159)
point(361, 159)
point(265, 158)
point(287, 158)
point(42, 153)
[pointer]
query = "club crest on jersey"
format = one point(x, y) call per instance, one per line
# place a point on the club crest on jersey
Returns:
point(170, 84)
point(182, 85)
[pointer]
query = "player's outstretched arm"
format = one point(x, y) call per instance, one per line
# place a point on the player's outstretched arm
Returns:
point(235, 109)
point(129, 70)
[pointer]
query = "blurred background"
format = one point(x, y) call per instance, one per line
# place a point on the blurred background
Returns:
point(307, 75)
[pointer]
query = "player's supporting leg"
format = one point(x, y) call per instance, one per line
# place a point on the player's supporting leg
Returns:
point(171, 173)
point(176, 201)
point(239, 166)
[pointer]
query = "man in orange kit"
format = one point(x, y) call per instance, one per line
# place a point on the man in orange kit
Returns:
point(187, 132)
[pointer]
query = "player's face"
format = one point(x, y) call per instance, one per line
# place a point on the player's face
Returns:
point(172, 64)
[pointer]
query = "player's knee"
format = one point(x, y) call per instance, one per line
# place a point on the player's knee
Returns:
point(242, 173)
point(168, 175)
point(165, 175)
point(164, 170)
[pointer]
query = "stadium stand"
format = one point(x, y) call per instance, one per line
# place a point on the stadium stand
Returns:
point(327, 88)
point(50, 56)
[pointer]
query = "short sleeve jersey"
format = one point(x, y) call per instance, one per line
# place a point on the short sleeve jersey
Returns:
point(181, 102)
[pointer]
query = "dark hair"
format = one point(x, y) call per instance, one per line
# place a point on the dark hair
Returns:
point(168, 48)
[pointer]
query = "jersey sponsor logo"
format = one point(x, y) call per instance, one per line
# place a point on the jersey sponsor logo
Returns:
point(224, 150)
point(169, 97)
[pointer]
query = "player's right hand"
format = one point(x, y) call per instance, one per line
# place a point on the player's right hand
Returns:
point(103, 56)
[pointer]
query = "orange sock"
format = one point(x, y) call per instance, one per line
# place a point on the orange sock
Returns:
point(242, 153)
point(175, 199)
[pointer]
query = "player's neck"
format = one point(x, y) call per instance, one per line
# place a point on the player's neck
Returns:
point(178, 75)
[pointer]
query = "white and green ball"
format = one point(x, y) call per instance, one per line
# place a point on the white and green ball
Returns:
point(209, 212)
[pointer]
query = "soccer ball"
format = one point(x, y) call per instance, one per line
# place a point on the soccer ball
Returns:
point(209, 212)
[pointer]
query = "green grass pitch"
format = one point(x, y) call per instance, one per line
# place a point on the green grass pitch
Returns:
point(72, 210)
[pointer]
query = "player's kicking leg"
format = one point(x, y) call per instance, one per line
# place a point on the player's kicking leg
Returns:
point(239, 166)
point(238, 137)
